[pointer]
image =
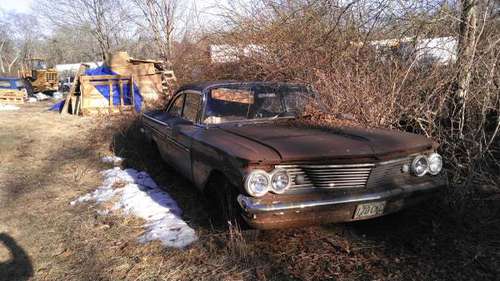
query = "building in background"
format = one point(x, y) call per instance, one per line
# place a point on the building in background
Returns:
point(438, 50)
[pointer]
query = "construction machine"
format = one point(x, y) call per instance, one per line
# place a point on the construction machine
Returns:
point(38, 77)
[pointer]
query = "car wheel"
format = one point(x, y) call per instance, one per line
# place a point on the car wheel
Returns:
point(228, 210)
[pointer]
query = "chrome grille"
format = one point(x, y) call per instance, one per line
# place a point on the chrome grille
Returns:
point(328, 176)
point(389, 171)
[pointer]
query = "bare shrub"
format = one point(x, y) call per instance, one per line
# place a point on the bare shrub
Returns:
point(329, 45)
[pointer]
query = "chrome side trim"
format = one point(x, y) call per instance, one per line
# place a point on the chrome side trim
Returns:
point(164, 136)
point(365, 165)
point(178, 144)
point(155, 120)
point(254, 206)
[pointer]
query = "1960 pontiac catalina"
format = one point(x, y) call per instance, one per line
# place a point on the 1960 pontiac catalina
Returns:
point(239, 142)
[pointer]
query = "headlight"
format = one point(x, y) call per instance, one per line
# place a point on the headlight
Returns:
point(280, 181)
point(435, 163)
point(257, 183)
point(420, 166)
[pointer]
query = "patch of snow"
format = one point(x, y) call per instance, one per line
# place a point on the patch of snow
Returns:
point(136, 193)
point(41, 96)
point(8, 107)
point(115, 160)
point(57, 95)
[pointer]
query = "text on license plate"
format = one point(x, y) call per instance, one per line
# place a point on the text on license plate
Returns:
point(369, 210)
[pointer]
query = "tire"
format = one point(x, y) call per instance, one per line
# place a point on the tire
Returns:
point(223, 197)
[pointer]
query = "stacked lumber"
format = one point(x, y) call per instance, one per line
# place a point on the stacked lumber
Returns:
point(148, 76)
point(12, 96)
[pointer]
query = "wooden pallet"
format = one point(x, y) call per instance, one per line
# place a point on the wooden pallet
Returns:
point(88, 91)
point(14, 97)
point(11, 100)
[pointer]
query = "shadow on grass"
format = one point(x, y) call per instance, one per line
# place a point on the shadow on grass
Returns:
point(19, 267)
point(431, 241)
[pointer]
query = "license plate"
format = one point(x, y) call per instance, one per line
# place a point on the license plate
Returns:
point(369, 210)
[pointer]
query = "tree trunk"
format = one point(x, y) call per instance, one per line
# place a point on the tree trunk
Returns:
point(2, 68)
point(466, 45)
point(11, 64)
point(465, 59)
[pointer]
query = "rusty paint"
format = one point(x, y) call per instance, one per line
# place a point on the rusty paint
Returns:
point(198, 150)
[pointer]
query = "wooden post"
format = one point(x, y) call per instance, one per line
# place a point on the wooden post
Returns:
point(110, 95)
point(81, 98)
point(132, 92)
point(78, 104)
point(120, 81)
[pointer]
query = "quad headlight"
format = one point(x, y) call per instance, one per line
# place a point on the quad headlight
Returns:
point(280, 181)
point(420, 166)
point(258, 182)
point(432, 164)
point(435, 163)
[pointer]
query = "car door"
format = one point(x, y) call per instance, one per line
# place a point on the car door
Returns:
point(183, 130)
point(170, 151)
point(180, 124)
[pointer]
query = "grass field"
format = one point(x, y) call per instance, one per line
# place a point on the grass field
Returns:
point(47, 160)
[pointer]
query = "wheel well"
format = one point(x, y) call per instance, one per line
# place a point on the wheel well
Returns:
point(214, 178)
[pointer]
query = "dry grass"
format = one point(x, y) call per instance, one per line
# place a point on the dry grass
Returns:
point(51, 160)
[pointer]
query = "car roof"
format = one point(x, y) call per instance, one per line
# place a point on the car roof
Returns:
point(202, 86)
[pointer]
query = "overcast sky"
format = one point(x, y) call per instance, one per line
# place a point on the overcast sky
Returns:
point(16, 5)
point(24, 6)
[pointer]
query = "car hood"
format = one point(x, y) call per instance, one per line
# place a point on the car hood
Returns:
point(296, 143)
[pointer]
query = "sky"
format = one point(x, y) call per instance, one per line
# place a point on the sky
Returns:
point(21, 6)
point(24, 6)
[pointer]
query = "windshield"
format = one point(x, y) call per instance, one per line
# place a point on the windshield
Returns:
point(233, 103)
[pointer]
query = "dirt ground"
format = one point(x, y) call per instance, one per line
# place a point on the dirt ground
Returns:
point(47, 160)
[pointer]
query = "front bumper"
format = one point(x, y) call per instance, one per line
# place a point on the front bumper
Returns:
point(290, 213)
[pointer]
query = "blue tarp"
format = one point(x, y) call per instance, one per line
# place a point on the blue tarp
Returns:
point(57, 106)
point(11, 83)
point(104, 89)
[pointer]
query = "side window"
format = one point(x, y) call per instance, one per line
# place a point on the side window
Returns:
point(191, 106)
point(176, 108)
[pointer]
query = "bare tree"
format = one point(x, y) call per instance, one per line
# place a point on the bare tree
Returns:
point(160, 16)
point(18, 39)
point(105, 19)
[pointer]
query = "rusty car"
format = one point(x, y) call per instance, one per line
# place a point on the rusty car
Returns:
point(239, 143)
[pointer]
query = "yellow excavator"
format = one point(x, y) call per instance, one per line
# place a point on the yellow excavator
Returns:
point(38, 77)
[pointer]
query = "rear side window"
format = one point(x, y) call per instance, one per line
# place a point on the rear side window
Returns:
point(176, 108)
point(191, 107)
